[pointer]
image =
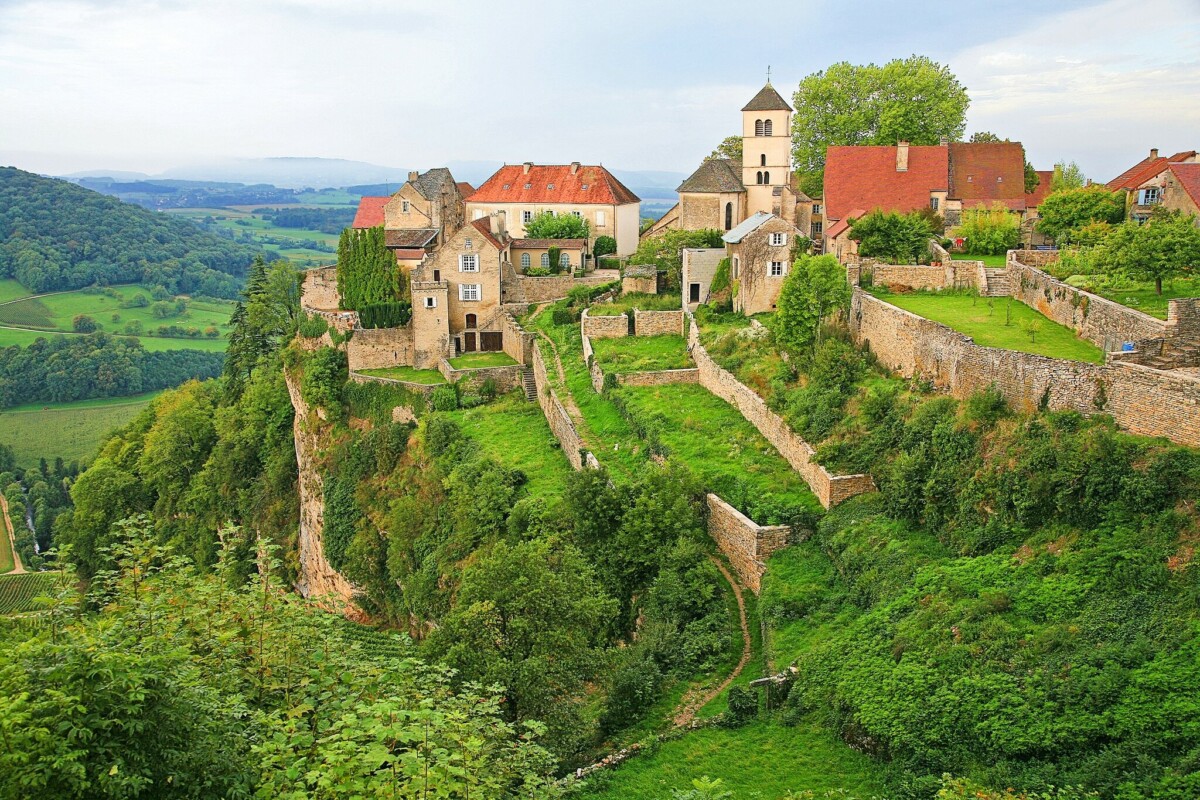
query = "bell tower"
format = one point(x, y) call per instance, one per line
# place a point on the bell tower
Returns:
point(766, 148)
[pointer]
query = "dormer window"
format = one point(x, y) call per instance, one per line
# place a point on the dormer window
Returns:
point(970, 179)
point(549, 185)
point(999, 179)
point(507, 185)
point(585, 187)
point(529, 186)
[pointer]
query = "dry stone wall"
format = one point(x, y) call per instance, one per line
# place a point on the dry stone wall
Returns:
point(557, 417)
point(372, 348)
point(506, 378)
point(604, 327)
point(657, 323)
point(744, 542)
point(1145, 401)
point(829, 489)
point(419, 388)
point(659, 377)
point(319, 290)
point(556, 287)
point(518, 343)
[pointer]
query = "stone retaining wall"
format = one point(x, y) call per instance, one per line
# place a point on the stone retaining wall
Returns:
point(829, 489)
point(589, 358)
point(557, 417)
point(659, 377)
point(371, 348)
point(1145, 401)
point(744, 542)
point(657, 323)
point(420, 388)
point(603, 327)
point(318, 289)
point(506, 378)
point(518, 343)
point(556, 287)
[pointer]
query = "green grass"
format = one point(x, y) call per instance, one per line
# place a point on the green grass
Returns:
point(425, 377)
point(482, 360)
point(759, 760)
point(70, 430)
point(250, 227)
point(17, 592)
point(642, 353)
point(514, 432)
point(988, 261)
point(645, 302)
point(11, 290)
point(1141, 295)
point(984, 320)
point(24, 338)
point(7, 562)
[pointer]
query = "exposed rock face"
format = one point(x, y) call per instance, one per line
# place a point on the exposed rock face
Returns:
point(317, 578)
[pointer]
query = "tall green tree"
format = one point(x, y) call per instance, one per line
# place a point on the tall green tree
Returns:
point(263, 320)
point(812, 293)
point(1066, 210)
point(1067, 176)
point(913, 99)
point(730, 148)
point(1165, 246)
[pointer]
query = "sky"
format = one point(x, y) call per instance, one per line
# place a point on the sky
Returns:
point(146, 85)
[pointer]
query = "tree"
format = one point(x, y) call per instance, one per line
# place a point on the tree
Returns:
point(82, 323)
point(1065, 210)
point(1166, 246)
point(985, 136)
point(1067, 176)
point(814, 289)
point(896, 238)
point(730, 148)
point(605, 245)
point(665, 250)
point(913, 99)
point(1032, 181)
point(548, 225)
point(989, 231)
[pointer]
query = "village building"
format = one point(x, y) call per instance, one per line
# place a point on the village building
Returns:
point(1181, 189)
point(418, 217)
point(760, 256)
point(536, 254)
point(592, 193)
point(721, 194)
point(1145, 182)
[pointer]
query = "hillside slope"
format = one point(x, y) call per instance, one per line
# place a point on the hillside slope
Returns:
point(55, 235)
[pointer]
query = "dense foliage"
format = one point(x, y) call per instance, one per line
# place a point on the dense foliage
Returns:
point(893, 237)
point(55, 235)
point(1165, 246)
point(326, 220)
point(61, 369)
point(35, 499)
point(1067, 210)
point(548, 225)
point(385, 315)
point(989, 231)
point(665, 250)
point(367, 271)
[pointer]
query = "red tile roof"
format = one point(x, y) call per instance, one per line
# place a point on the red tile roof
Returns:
point(865, 177)
point(1188, 176)
point(509, 185)
point(844, 223)
point(370, 212)
point(465, 189)
point(1138, 174)
point(484, 226)
point(410, 254)
point(1035, 198)
point(984, 172)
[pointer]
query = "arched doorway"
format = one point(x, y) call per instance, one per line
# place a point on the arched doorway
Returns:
point(472, 321)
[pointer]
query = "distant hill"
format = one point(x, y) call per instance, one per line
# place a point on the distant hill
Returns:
point(290, 173)
point(55, 235)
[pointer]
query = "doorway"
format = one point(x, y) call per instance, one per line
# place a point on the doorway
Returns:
point(469, 341)
point(693, 293)
point(472, 321)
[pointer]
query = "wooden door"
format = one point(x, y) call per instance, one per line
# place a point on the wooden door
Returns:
point(469, 342)
point(491, 341)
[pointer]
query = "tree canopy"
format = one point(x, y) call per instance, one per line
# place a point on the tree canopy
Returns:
point(815, 288)
point(730, 148)
point(548, 225)
point(367, 271)
point(1165, 246)
point(913, 99)
point(893, 237)
point(1066, 210)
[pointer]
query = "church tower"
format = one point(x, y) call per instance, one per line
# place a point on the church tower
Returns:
point(766, 149)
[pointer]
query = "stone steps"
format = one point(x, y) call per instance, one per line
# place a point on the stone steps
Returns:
point(997, 282)
point(530, 385)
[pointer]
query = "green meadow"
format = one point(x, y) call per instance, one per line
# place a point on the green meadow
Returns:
point(72, 431)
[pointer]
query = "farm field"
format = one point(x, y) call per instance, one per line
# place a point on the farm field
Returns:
point(25, 337)
point(244, 225)
point(983, 319)
point(70, 430)
point(56, 311)
point(7, 561)
point(17, 592)
point(642, 353)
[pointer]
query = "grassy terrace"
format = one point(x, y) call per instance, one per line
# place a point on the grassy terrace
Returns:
point(642, 353)
point(644, 302)
point(998, 322)
point(425, 377)
point(70, 430)
point(1139, 294)
point(513, 431)
point(482, 360)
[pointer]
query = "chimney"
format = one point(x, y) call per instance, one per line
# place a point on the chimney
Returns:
point(497, 222)
point(1153, 153)
point(412, 176)
point(528, 166)
point(944, 141)
point(902, 156)
point(574, 167)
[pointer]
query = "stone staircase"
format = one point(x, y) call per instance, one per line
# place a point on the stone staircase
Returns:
point(530, 385)
point(1182, 354)
point(997, 282)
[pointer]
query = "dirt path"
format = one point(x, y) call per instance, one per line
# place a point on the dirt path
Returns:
point(18, 567)
point(697, 698)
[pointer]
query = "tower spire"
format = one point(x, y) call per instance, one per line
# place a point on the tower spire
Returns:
point(768, 74)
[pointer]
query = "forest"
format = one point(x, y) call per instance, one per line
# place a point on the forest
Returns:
point(55, 235)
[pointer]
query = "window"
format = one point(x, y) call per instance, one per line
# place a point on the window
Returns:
point(766, 177)
point(526, 260)
point(728, 216)
point(762, 160)
point(778, 239)
point(817, 229)
point(816, 208)
point(600, 219)
point(1148, 196)
point(468, 291)
point(584, 187)
point(758, 177)
point(758, 127)
point(734, 271)
point(404, 206)
point(776, 269)
point(471, 321)
point(467, 244)
point(468, 262)
point(577, 214)
point(549, 185)
point(478, 214)
point(933, 203)
point(529, 186)
point(564, 259)
point(767, 127)
point(545, 260)
point(431, 302)
point(970, 179)
point(526, 216)
point(999, 179)
point(507, 185)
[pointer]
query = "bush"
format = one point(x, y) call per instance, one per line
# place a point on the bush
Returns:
point(324, 375)
point(579, 296)
point(441, 434)
point(989, 231)
point(444, 398)
point(609, 263)
point(564, 316)
point(743, 706)
point(537, 272)
point(385, 315)
point(313, 327)
point(604, 246)
point(897, 238)
point(82, 323)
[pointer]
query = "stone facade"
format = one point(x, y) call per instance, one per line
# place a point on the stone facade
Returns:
point(557, 417)
point(699, 266)
point(744, 542)
point(829, 489)
point(659, 377)
point(604, 327)
point(640, 279)
point(319, 289)
point(524, 289)
point(373, 348)
point(506, 378)
point(760, 267)
point(1144, 401)
point(470, 264)
point(657, 323)
point(430, 324)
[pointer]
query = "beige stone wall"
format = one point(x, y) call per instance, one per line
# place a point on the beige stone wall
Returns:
point(631, 284)
point(506, 378)
point(604, 327)
point(829, 489)
point(556, 287)
point(574, 257)
point(556, 415)
point(419, 388)
point(757, 288)
point(380, 347)
point(744, 542)
point(318, 290)
point(912, 276)
point(518, 343)
point(699, 267)
point(659, 377)
point(657, 323)
point(1142, 400)
point(467, 240)
point(431, 326)
point(589, 358)
point(1100, 321)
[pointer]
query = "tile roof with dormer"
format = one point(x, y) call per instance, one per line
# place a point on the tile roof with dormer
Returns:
point(865, 177)
point(982, 173)
point(713, 176)
point(370, 212)
point(767, 99)
point(549, 184)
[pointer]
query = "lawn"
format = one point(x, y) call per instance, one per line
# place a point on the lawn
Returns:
point(514, 432)
point(482, 360)
point(998, 322)
point(25, 337)
point(70, 430)
point(645, 302)
point(1141, 295)
point(642, 353)
point(11, 290)
point(988, 261)
point(425, 377)
point(762, 759)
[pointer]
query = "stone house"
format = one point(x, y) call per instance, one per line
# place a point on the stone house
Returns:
point(1144, 183)
point(418, 217)
point(721, 194)
point(592, 193)
point(700, 265)
point(1181, 189)
point(533, 253)
point(760, 255)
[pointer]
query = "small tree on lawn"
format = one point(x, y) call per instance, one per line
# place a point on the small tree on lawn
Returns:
point(1166, 246)
point(1062, 212)
point(812, 293)
point(547, 225)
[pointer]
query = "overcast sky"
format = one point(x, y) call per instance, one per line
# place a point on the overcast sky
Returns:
point(144, 85)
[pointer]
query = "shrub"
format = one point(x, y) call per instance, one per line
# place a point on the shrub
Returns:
point(324, 375)
point(441, 434)
point(743, 706)
point(444, 398)
point(898, 238)
point(394, 314)
point(579, 296)
point(564, 316)
point(82, 323)
point(604, 246)
point(313, 327)
point(989, 231)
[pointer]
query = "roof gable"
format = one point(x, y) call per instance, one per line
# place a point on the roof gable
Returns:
point(1138, 174)
point(767, 99)
point(573, 184)
point(712, 176)
point(432, 182)
point(1188, 176)
point(370, 212)
point(983, 172)
point(484, 226)
point(865, 177)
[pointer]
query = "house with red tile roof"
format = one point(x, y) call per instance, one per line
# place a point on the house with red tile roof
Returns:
point(370, 212)
point(1145, 182)
point(521, 191)
point(1181, 188)
point(418, 217)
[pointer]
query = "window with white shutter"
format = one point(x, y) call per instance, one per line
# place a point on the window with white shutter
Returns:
point(431, 302)
point(468, 262)
point(468, 291)
point(776, 269)
point(778, 239)
point(600, 219)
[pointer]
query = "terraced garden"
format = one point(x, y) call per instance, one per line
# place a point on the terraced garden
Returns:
point(642, 353)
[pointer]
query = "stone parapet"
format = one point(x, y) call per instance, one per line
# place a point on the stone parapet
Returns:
point(555, 287)
point(372, 348)
point(419, 388)
point(604, 327)
point(659, 377)
point(657, 323)
point(744, 542)
point(505, 378)
point(560, 422)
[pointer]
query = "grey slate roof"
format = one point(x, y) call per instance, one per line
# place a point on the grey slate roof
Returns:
point(409, 237)
point(431, 183)
point(714, 175)
point(746, 227)
point(767, 99)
